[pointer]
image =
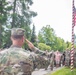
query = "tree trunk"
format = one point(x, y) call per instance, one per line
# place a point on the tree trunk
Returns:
point(13, 18)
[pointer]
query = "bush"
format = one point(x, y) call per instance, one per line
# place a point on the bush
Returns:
point(43, 46)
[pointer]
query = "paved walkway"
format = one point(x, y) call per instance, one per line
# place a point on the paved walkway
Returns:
point(55, 69)
point(44, 72)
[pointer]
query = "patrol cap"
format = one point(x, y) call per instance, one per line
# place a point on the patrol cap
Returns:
point(16, 32)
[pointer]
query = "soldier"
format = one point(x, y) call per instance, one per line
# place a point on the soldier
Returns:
point(57, 58)
point(63, 59)
point(15, 60)
point(67, 58)
point(51, 57)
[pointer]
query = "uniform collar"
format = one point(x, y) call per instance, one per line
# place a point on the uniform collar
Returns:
point(14, 46)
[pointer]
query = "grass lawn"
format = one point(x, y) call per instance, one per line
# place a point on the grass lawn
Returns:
point(64, 71)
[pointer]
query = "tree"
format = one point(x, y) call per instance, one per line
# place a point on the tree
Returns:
point(19, 15)
point(22, 14)
point(4, 9)
point(44, 47)
point(68, 45)
point(47, 35)
point(33, 36)
point(59, 44)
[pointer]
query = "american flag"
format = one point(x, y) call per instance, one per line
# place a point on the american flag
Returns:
point(74, 14)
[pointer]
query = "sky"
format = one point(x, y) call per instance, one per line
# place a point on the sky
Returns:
point(57, 14)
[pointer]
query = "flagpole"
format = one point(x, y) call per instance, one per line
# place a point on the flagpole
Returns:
point(72, 48)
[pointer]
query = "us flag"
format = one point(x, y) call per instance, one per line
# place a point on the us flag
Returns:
point(74, 14)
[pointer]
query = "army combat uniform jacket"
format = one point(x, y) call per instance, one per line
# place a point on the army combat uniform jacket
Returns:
point(15, 61)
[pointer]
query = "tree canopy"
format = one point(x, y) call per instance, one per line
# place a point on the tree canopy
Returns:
point(16, 13)
point(47, 36)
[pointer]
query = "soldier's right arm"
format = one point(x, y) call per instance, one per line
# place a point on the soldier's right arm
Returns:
point(32, 47)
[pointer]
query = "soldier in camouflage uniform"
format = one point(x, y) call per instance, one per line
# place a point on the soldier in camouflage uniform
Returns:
point(67, 58)
point(15, 60)
point(51, 56)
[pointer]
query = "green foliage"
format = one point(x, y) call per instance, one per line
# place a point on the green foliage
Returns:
point(6, 37)
point(47, 35)
point(15, 13)
point(43, 46)
point(68, 44)
point(64, 71)
point(40, 37)
point(59, 44)
point(33, 37)
point(4, 9)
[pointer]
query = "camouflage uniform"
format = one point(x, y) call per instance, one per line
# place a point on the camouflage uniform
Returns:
point(41, 61)
point(15, 61)
point(51, 59)
point(67, 58)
